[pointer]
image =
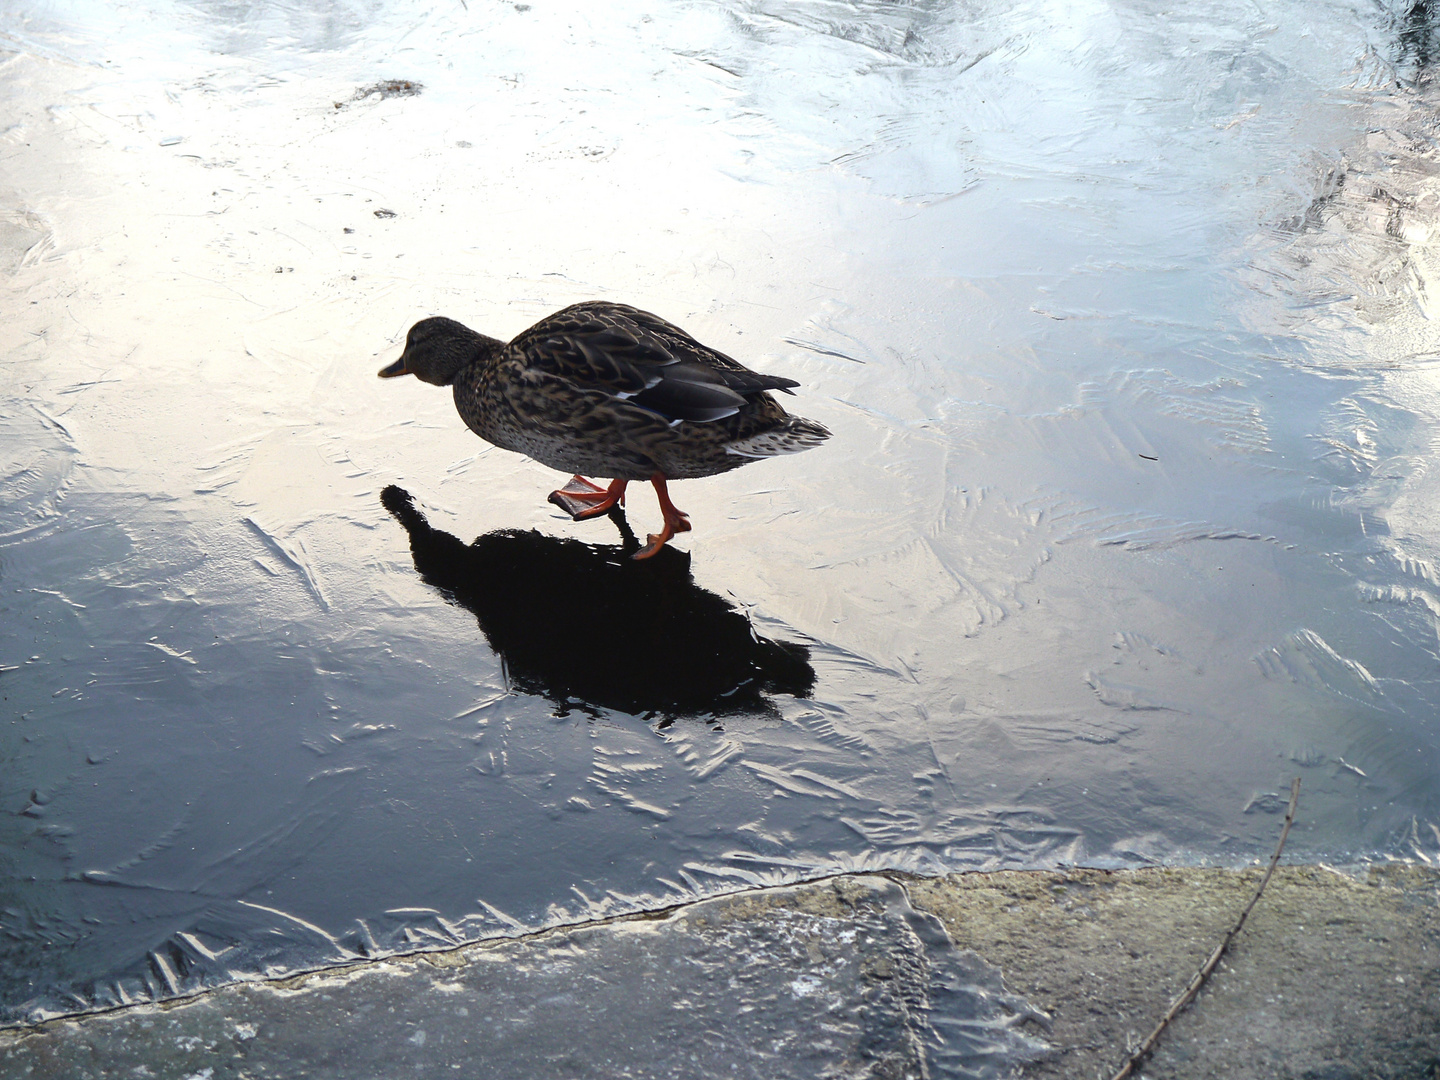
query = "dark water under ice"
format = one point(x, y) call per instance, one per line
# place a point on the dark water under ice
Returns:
point(1121, 314)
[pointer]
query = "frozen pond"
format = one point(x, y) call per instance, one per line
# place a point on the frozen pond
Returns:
point(1121, 314)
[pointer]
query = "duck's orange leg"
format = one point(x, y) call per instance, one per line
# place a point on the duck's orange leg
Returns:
point(583, 500)
point(675, 520)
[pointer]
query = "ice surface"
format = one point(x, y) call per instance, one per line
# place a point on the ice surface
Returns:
point(1121, 315)
point(842, 979)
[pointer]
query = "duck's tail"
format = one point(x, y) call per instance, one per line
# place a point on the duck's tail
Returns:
point(790, 437)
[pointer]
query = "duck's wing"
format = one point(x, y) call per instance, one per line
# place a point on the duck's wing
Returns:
point(638, 357)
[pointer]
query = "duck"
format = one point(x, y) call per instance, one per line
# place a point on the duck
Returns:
point(603, 389)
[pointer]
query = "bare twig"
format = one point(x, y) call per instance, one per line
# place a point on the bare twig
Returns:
point(1188, 995)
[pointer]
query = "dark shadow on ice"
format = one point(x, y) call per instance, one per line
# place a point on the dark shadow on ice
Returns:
point(1418, 41)
point(584, 624)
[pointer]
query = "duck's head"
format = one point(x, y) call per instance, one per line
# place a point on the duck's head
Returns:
point(437, 348)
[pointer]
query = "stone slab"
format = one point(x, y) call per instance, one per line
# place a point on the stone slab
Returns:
point(1335, 977)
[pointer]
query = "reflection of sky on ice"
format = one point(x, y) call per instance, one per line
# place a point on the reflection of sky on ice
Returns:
point(1120, 317)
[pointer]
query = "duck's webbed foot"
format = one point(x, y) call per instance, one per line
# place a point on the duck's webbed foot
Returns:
point(676, 521)
point(583, 500)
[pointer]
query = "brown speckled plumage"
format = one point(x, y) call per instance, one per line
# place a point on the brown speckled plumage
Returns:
point(604, 389)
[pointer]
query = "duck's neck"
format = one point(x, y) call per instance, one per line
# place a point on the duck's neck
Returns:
point(459, 351)
point(482, 351)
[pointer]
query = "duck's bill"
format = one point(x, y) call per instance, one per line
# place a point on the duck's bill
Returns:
point(397, 368)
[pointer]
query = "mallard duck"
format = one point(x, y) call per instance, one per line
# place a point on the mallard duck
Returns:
point(607, 390)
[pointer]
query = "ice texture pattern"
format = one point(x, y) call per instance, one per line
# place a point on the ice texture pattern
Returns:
point(1121, 314)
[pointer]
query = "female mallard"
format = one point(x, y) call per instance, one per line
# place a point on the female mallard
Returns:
point(609, 390)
